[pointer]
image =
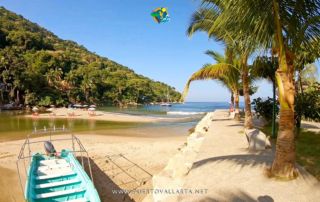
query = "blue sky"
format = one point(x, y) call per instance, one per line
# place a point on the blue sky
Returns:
point(125, 32)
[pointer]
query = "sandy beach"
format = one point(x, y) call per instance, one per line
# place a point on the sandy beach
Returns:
point(138, 157)
point(102, 116)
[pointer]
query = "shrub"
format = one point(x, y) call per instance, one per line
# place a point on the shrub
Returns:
point(307, 105)
point(46, 101)
point(264, 108)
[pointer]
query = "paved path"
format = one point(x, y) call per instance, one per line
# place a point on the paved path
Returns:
point(230, 173)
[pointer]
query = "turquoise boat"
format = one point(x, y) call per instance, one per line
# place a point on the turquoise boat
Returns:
point(57, 177)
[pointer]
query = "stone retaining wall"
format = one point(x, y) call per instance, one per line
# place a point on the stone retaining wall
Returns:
point(172, 176)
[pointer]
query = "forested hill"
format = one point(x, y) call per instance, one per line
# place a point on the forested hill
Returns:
point(38, 68)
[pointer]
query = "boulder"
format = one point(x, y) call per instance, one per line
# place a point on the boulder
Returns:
point(257, 140)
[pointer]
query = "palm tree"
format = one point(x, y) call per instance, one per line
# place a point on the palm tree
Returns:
point(285, 27)
point(203, 20)
point(228, 74)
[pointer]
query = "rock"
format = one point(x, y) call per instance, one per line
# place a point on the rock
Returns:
point(196, 135)
point(268, 143)
point(257, 139)
point(172, 176)
point(250, 132)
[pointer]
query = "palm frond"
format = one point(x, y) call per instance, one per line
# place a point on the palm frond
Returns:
point(224, 72)
point(216, 56)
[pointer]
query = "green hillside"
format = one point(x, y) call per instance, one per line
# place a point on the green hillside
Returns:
point(38, 68)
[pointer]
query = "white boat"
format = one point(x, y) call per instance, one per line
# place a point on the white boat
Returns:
point(52, 175)
point(166, 104)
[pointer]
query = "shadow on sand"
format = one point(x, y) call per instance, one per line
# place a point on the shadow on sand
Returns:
point(239, 196)
point(242, 159)
point(116, 176)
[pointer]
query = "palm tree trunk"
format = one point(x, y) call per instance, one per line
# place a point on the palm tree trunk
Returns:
point(299, 113)
point(232, 100)
point(284, 163)
point(300, 82)
point(247, 103)
point(237, 111)
point(18, 97)
point(274, 109)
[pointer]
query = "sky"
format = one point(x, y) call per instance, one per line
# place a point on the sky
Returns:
point(125, 32)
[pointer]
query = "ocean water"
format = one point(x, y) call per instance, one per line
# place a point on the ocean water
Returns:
point(14, 126)
point(185, 109)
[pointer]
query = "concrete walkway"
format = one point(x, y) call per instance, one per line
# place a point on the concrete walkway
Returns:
point(229, 172)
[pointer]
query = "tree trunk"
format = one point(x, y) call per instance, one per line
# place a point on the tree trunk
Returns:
point(300, 82)
point(18, 97)
point(245, 82)
point(274, 109)
point(1, 97)
point(232, 101)
point(236, 101)
point(299, 113)
point(284, 163)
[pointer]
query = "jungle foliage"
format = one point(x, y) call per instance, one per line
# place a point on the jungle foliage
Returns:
point(38, 68)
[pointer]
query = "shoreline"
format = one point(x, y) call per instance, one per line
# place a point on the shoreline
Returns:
point(64, 113)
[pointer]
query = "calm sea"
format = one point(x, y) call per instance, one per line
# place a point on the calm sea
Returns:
point(186, 109)
point(14, 126)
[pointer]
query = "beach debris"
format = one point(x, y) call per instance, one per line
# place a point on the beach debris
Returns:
point(160, 15)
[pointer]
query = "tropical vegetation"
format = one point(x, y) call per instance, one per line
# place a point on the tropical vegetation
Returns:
point(263, 107)
point(242, 48)
point(265, 68)
point(288, 30)
point(225, 71)
point(38, 68)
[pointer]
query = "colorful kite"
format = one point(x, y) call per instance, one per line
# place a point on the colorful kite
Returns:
point(160, 15)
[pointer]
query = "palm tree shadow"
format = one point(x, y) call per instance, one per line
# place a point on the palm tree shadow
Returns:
point(237, 124)
point(239, 196)
point(252, 159)
point(255, 159)
point(105, 186)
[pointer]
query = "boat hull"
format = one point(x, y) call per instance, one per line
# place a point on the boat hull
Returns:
point(58, 179)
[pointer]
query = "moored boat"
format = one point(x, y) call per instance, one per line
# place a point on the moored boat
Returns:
point(165, 104)
point(57, 176)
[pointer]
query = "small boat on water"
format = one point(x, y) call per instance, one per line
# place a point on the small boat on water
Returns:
point(166, 104)
point(57, 176)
